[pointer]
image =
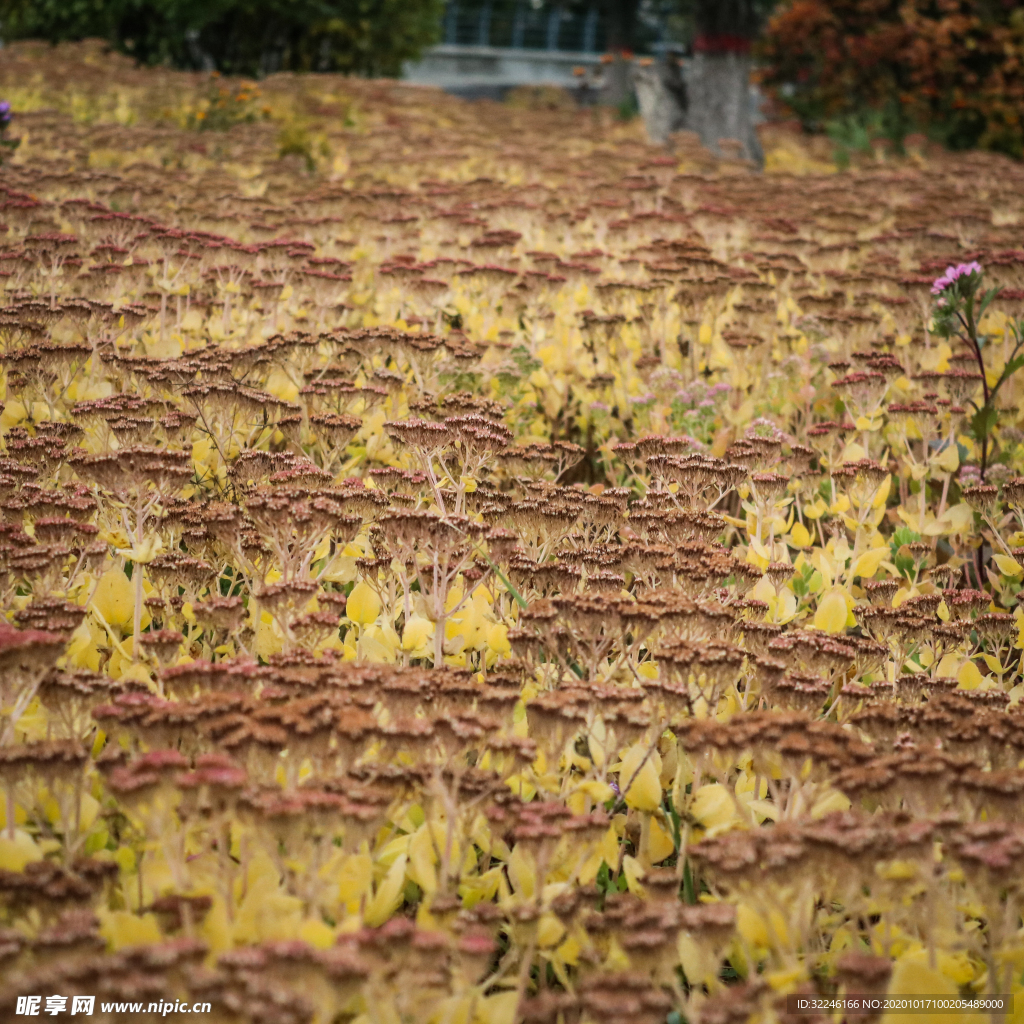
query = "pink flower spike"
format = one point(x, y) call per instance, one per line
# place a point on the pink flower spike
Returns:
point(953, 274)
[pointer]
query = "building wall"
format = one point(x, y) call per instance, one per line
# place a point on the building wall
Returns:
point(492, 70)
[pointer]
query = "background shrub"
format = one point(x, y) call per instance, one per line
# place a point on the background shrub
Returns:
point(953, 68)
point(248, 37)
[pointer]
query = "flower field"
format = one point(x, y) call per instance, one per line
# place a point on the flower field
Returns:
point(460, 563)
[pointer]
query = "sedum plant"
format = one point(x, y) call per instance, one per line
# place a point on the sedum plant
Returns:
point(572, 586)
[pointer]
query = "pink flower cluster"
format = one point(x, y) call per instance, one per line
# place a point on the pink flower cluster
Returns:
point(953, 274)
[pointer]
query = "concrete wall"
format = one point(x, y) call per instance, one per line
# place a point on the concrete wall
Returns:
point(493, 70)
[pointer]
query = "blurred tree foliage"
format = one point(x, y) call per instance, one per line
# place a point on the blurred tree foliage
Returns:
point(249, 37)
point(738, 18)
point(951, 68)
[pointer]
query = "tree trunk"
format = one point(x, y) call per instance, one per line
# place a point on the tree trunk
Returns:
point(620, 18)
point(621, 24)
point(718, 78)
point(720, 105)
point(662, 98)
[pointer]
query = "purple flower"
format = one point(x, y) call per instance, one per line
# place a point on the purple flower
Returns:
point(5, 114)
point(953, 274)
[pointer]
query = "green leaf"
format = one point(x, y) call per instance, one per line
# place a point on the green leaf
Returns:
point(983, 421)
point(986, 300)
point(904, 565)
point(688, 889)
point(525, 362)
point(904, 535)
point(1008, 371)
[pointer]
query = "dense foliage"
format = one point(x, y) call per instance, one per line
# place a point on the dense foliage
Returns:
point(364, 37)
point(477, 569)
point(953, 68)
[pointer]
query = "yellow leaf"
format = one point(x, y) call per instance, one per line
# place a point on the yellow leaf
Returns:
point(83, 651)
point(355, 878)
point(662, 844)
point(17, 852)
point(215, 929)
point(959, 518)
point(522, 872)
point(317, 934)
point(829, 803)
point(124, 858)
point(799, 536)
point(896, 870)
point(816, 509)
point(911, 976)
point(868, 563)
point(949, 459)
point(758, 554)
point(882, 494)
point(423, 858)
point(832, 612)
point(363, 604)
point(644, 792)
point(822, 561)
point(123, 928)
point(786, 981)
point(969, 677)
point(751, 925)
point(418, 636)
point(14, 412)
point(697, 959)
point(598, 791)
point(1007, 566)
point(480, 887)
point(114, 598)
point(388, 896)
point(269, 639)
point(714, 807)
point(280, 384)
point(550, 931)
point(500, 1008)
point(88, 809)
point(378, 645)
point(497, 640)
point(145, 552)
point(634, 873)
point(993, 663)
